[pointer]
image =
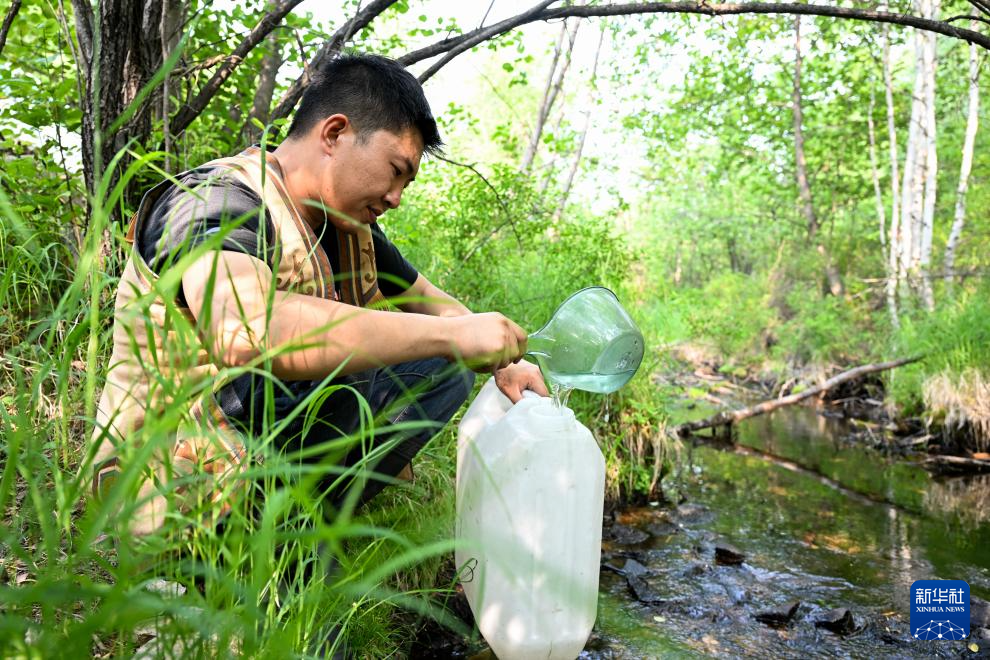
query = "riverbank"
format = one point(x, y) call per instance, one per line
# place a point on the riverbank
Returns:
point(810, 555)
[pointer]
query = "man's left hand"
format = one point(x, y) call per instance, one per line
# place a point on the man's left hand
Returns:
point(516, 378)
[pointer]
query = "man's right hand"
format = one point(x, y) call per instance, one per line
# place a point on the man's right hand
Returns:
point(486, 342)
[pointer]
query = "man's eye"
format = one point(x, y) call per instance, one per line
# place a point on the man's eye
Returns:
point(395, 171)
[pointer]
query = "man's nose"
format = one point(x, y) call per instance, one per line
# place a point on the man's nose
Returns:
point(393, 198)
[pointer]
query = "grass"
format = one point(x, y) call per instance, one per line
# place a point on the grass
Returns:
point(69, 590)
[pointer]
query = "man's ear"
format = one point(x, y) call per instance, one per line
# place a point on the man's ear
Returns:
point(331, 129)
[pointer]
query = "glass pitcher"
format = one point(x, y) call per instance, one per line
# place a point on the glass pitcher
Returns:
point(590, 343)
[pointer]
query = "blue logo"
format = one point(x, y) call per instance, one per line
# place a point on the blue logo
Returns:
point(940, 609)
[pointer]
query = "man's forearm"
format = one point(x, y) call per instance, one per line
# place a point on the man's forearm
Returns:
point(310, 337)
point(424, 297)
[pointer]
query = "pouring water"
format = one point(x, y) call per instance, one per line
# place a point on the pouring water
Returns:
point(590, 343)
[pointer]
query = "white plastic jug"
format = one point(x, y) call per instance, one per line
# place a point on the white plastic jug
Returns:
point(530, 491)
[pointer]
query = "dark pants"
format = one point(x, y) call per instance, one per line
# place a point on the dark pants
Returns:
point(421, 395)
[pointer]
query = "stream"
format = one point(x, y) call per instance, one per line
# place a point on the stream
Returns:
point(833, 526)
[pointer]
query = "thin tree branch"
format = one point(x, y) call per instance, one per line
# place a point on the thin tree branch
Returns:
point(487, 11)
point(498, 198)
point(464, 41)
point(329, 48)
point(982, 5)
point(481, 35)
point(970, 17)
point(269, 22)
point(15, 7)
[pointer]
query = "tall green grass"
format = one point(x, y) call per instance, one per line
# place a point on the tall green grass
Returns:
point(76, 583)
point(953, 339)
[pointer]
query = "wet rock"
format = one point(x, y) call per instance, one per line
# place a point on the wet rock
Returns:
point(840, 621)
point(635, 574)
point(663, 529)
point(979, 613)
point(779, 617)
point(726, 555)
point(979, 633)
point(693, 512)
point(694, 570)
point(633, 568)
point(625, 535)
point(737, 594)
point(643, 592)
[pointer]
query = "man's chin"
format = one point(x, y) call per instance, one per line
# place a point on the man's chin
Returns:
point(349, 225)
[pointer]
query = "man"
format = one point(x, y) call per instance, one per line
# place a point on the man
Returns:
point(283, 270)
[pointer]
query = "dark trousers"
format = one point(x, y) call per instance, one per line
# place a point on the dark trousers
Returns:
point(345, 427)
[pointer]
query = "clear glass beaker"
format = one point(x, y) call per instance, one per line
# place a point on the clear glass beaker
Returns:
point(590, 343)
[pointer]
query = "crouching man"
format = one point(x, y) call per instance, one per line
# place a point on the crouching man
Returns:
point(257, 285)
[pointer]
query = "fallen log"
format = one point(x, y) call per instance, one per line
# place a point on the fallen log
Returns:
point(730, 417)
point(957, 465)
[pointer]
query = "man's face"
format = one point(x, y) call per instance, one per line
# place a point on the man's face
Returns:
point(366, 174)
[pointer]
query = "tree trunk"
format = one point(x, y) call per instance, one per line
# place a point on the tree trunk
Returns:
point(171, 29)
point(801, 171)
point(931, 168)
point(121, 44)
point(911, 190)
point(885, 239)
point(555, 80)
point(972, 122)
point(875, 171)
point(261, 107)
point(918, 190)
point(584, 131)
point(894, 241)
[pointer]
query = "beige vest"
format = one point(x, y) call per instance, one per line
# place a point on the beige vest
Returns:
point(160, 368)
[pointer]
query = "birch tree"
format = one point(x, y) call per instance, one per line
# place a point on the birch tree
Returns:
point(918, 187)
point(895, 234)
point(972, 121)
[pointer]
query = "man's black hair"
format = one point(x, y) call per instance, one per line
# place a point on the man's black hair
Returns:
point(374, 93)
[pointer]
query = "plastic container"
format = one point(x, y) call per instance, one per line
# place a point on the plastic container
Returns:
point(530, 491)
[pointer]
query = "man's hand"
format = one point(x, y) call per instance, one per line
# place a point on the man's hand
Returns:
point(486, 342)
point(515, 378)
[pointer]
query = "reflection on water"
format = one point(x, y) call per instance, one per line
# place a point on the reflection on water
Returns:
point(965, 498)
point(804, 539)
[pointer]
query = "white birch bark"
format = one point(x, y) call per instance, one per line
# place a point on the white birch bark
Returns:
point(895, 239)
point(969, 142)
point(931, 168)
point(911, 189)
point(875, 170)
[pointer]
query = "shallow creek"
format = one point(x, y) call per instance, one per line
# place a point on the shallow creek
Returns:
point(855, 539)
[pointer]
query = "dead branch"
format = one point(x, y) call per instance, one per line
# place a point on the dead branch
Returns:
point(730, 417)
point(330, 48)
